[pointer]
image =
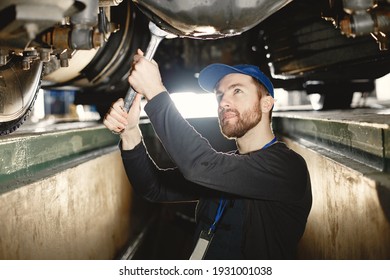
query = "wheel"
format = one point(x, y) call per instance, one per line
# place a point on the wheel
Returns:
point(18, 91)
point(110, 67)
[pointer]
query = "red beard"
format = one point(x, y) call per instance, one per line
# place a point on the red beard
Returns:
point(235, 125)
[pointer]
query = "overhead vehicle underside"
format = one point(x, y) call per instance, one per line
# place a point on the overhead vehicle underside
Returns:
point(332, 48)
point(325, 48)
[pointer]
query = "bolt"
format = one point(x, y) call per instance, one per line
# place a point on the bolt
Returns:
point(345, 27)
point(26, 63)
point(64, 62)
point(45, 55)
point(97, 39)
point(3, 60)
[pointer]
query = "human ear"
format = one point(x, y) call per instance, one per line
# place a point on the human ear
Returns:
point(267, 102)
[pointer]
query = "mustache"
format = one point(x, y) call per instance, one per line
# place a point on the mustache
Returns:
point(223, 111)
point(227, 110)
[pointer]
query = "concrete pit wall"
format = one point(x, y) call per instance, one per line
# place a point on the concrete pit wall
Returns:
point(350, 213)
point(80, 213)
point(87, 210)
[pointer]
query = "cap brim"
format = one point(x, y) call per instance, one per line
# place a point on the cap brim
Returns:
point(212, 74)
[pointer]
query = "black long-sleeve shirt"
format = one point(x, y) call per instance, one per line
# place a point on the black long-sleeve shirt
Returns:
point(269, 190)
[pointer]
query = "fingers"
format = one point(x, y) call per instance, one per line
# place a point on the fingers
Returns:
point(154, 62)
point(112, 124)
point(118, 106)
point(137, 60)
point(136, 103)
point(138, 56)
point(145, 77)
point(116, 117)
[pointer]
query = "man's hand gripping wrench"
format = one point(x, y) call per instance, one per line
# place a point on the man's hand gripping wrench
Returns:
point(157, 35)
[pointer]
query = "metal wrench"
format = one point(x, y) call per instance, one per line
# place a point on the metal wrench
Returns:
point(157, 35)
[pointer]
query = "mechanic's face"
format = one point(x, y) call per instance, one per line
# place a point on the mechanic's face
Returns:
point(238, 105)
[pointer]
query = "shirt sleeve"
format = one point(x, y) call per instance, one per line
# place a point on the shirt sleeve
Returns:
point(155, 184)
point(276, 173)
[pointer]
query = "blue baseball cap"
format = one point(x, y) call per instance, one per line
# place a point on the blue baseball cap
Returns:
point(212, 74)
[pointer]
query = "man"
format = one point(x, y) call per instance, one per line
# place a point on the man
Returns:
point(252, 204)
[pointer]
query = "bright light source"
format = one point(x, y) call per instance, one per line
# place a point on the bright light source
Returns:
point(316, 100)
point(281, 98)
point(382, 87)
point(193, 105)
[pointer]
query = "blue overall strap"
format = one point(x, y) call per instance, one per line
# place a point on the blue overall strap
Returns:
point(221, 208)
point(223, 202)
point(269, 143)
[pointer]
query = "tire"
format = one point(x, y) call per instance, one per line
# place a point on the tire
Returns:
point(25, 82)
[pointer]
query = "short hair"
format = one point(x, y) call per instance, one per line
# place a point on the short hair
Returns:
point(262, 91)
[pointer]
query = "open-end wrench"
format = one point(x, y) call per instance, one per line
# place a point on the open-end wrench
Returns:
point(157, 34)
